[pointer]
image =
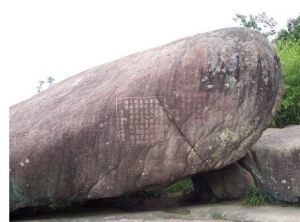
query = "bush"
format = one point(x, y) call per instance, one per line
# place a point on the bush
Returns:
point(289, 54)
point(255, 197)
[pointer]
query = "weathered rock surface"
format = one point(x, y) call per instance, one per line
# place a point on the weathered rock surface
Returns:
point(229, 183)
point(157, 116)
point(274, 162)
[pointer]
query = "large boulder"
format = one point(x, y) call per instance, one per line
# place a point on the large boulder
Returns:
point(274, 161)
point(152, 118)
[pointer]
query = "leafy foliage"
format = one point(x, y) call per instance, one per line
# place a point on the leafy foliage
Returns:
point(181, 187)
point(260, 22)
point(50, 80)
point(288, 49)
point(289, 54)
point(292, 33)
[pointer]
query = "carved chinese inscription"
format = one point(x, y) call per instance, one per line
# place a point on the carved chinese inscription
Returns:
point(140, 120)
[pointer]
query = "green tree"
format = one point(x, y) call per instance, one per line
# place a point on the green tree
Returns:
point(291, 33)
point(260, 22)
point(50, 80)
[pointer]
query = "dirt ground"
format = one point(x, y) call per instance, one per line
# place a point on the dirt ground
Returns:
point(167, 209)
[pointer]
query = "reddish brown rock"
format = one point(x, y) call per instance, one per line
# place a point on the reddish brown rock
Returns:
point(157, 116)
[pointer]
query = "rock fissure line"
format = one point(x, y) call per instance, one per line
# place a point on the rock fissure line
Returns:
point(177, 127)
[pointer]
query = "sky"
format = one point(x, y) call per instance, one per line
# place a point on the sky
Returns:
point(62, 38)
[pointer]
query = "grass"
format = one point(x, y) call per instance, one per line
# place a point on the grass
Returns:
point(180, 187)
point(255, 197)
point(183, 186)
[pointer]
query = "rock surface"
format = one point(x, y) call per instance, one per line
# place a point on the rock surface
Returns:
point(157, 116)
point(229, 183)
point(274, 161)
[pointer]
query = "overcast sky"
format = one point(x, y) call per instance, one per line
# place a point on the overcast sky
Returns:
point(62, 38)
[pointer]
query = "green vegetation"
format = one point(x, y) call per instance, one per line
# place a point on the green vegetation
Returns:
point(288, 48)
point(287, 44)
point(291, 33)
point(255, 197)
point(289, 54)
point(177, 188)
point(183, 186)
point(260, 22)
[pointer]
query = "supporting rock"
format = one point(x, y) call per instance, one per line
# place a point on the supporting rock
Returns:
point(274, 161)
